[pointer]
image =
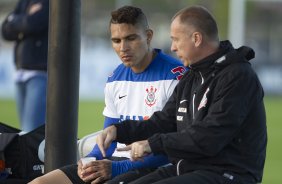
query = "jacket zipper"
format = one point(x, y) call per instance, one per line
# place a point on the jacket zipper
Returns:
point(177, 167)
point(194, 95)
point(202, 78)
point(194, 104)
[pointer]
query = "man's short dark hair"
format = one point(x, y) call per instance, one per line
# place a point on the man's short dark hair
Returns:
point(129, 15)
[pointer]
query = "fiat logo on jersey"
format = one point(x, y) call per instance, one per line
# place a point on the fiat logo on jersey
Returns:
point(151, 97)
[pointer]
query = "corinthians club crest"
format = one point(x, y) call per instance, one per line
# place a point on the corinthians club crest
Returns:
point(150, 100)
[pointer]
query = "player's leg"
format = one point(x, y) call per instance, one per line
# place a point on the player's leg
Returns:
point(202, 177)
point(56, 176)
point(20, 100)
point(130, 176)
point(64, 175)
point(159, 174)
point(34, 112)
point(167, 175)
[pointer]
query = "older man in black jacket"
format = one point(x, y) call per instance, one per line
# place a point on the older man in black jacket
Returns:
point(213, 128)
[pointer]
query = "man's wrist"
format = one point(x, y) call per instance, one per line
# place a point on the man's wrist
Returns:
point(113, 131)
point(155, 144)
point(147, 147)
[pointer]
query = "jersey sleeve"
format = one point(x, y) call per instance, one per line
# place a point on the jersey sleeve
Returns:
point(178, 73)
point(171, 87)
point(150, 161)
point(110, 108)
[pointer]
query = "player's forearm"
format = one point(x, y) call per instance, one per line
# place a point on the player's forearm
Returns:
point(119, 167)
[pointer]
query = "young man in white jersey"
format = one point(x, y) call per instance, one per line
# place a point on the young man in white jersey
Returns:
point(136, 89)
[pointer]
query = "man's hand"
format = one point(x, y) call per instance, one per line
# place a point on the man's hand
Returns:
point(34, 8)
point(95, 171)
point(104, 139)
point(138, 150)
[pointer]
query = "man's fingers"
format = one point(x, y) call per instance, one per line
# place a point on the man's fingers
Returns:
point(103, 152)
point(139, 150)
point(98, 180)
point(34, 8)
point(126, 148)
point(108, 141)
point(100, 143)
point(87, 177)
point(105, 139)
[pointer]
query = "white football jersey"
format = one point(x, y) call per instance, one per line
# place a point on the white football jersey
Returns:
point(137, 96)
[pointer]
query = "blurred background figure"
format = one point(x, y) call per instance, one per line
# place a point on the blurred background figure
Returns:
point(27, 26)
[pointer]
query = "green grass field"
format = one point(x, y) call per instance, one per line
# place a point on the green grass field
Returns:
point(91, 120)
point(90, 116)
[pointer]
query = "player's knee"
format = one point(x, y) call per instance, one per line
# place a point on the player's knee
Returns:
point(37, 180)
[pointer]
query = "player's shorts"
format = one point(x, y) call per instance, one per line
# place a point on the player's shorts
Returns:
point(71, 172)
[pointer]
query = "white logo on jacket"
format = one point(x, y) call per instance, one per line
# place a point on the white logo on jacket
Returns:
point(179, 118)
point(204, 100)
point(182, 109)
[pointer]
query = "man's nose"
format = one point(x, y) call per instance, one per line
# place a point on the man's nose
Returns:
point(124, 46)
point(173, 48)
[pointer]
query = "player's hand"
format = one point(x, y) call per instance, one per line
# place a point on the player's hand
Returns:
point(104, 172)
point(104, 139)
point(80, 170)
point(138, 150)
point(95, 171)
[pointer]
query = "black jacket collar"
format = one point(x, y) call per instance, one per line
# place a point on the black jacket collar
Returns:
point(225, 55)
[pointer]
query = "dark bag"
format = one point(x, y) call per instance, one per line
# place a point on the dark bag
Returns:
point(21, 151)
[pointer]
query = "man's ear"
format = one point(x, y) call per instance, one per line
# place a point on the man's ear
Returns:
point(197, 38)
point(150, 34)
